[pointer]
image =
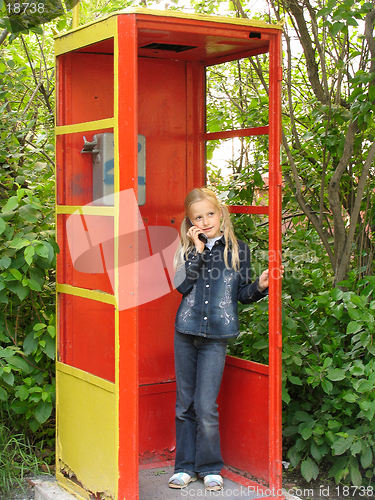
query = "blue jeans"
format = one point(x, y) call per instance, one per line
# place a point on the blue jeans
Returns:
point(199, 364)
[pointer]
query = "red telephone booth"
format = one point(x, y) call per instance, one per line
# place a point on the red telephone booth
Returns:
point(130, 144)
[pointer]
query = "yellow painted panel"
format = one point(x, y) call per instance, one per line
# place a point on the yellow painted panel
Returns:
point(87, 294)
point(78, 38)
point(86, 430)
point(85, 210)
point(84, 126)
point(72, 487)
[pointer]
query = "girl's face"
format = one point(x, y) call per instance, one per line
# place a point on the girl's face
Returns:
point(205, 215)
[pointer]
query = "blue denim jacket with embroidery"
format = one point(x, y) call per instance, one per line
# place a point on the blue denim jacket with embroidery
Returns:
point(211, 292)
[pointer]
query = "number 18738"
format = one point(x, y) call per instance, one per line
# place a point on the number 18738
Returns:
point(362, 491)
point(25, 8)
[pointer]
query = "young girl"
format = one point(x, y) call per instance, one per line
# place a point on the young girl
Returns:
point(212, 276)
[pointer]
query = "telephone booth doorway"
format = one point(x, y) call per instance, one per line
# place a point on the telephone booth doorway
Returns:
point(130, 144)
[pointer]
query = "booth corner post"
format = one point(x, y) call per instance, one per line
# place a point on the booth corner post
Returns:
point(130, 144)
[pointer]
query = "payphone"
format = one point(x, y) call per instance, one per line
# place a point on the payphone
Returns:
point(103, 178)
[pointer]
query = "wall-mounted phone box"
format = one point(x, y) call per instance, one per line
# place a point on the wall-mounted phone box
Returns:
point(102, 149)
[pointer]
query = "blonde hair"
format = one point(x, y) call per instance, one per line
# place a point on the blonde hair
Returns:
point(186, 245)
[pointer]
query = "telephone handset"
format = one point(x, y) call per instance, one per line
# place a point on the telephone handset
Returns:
point(201, 236)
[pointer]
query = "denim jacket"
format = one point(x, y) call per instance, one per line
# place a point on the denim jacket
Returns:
point(211, 292)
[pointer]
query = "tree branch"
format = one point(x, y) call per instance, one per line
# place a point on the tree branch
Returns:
point(344, 261)
point(3, 35)
point(305, 207)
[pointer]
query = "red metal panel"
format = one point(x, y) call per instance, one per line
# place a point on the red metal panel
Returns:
point(86, 272)
point(87, 335)
point(243, 416)
point(156, 426)
point(244, 132)
point(248, 209)
point(74, 169)
point(87, 86)
point(127, 374)
point(275, 337)
point(195, 125)
point(162, 119)
point(64, 72)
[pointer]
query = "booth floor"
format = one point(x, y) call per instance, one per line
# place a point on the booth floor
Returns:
point(153, 485)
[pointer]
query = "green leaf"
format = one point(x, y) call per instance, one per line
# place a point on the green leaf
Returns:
point(350, 398)
point(355, 314)
point(11, 204)
point(5, 262)
point(34, 285)
point(336, 374)
point(23, 393)
point(354, 327)
point(30, 343)
point(3, 394)
point(371, 93)
point(41, 250)
point(8, 378)
point(52, 331)
point(50, 346)
point(306, 433)
point(29, 213)
point(21, 364)
point(39, 326)
point(18, 289)
point(258, 181)
point(302, 416)
point(309, 469)
point(285, 396)
point(336, 27)
point(338, 310)
point(295, 380)
point(355, 475)
point(366, 457)
point(339, 469)
point(337, 294)
point(29, 254)
point(341, 445)
point(43, 411)
point(294, 456)
point(365, 386)
point(290, 431)
point(2, 225)
point(16, 274)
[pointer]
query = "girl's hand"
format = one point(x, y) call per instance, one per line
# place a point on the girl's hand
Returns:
point(264, 279)
point(193, 234)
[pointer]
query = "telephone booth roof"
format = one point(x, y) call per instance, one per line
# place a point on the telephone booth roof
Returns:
point(187, 37)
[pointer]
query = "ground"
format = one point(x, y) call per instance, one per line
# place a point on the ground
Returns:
point(293, 482)
point(324, 488)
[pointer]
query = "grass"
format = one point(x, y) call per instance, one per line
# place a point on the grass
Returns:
point(17, 459)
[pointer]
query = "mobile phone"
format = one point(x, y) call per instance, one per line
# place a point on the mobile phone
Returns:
point(201, 236)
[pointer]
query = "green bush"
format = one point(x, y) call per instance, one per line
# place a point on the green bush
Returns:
point(27, 245)
point(27, 318)
point(328, 363)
